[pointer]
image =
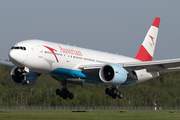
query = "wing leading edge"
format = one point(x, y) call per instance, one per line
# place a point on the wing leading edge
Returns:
point(7, 63)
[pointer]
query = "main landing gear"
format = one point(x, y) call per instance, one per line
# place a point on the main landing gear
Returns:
point(64, 93)
point(113, 92)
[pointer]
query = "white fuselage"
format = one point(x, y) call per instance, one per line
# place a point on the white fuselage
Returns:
point(39, 58)
point(60, 60)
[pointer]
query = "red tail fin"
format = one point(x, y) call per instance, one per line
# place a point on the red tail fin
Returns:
point(147, 48)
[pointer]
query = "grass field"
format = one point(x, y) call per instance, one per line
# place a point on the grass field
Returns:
point(90, 115)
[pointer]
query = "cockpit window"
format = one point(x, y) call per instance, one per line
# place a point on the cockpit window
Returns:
point(22, 48)
point(16, 47)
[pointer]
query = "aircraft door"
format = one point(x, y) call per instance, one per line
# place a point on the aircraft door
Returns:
point(40, 52)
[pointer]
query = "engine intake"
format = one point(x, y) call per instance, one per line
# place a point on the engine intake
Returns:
point(113, 74)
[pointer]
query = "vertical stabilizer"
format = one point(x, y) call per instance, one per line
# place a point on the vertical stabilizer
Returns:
point(147, 48)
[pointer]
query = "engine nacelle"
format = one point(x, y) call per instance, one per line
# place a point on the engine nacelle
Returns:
point(113, 74)
point(17, 77)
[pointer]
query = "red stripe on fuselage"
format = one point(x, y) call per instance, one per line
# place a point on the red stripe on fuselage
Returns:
point(143, 55)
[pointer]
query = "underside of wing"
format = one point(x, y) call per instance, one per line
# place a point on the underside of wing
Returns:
point(92, 70)
point(7, 63)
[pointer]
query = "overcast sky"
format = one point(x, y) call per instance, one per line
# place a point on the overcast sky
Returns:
point(114, 26)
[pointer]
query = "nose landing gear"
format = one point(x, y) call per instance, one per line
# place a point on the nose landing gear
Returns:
point(22, 76)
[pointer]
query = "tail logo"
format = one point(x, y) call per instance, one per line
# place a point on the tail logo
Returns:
point(152, 39)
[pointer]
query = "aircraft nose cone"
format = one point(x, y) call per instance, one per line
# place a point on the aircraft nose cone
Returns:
point(12, 55)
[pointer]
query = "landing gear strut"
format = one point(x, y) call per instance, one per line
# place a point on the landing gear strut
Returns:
point(64, 93)
point(24, 81)
point(114, 93)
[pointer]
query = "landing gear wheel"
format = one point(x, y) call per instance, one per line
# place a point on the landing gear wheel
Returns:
point(27, 82)
point(117, 93)
point(58, 91)
point(61, 95)
point(114, 93)
point(64, 97)
point(23, 82)
point(110, 94)
point(120, 95)
point(114, 96)
point(71, 96)
point(107, 91)
point(64, 91)
point(68, 93)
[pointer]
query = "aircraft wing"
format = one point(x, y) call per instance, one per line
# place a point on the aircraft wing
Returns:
point(154, 66)
point(7, 63)
point(150, 66)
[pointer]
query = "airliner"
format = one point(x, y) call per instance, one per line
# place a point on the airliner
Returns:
point(74, 65)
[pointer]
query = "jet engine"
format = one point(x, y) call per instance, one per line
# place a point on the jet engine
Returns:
point(113, 74)
point(17, 76)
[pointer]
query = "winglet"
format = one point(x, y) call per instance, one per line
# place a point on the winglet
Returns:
point(147, 48)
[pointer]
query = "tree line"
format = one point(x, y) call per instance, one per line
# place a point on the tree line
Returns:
point(163, 90)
